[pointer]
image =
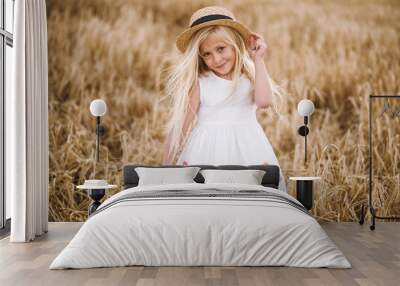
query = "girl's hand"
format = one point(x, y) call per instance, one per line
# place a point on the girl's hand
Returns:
point(258, 46)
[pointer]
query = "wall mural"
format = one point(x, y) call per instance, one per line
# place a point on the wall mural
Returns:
point(332, 53)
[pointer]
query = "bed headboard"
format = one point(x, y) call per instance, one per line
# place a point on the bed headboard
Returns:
point(270, 179)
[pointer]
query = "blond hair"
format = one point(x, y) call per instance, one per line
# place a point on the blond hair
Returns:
point(184, 75)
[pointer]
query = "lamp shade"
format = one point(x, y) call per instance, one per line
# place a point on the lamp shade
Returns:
point(98, 107)
point(305, 107)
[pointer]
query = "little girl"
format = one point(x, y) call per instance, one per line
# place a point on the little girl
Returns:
point(220, 83)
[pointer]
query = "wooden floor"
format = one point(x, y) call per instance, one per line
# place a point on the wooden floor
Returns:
point(374, 255)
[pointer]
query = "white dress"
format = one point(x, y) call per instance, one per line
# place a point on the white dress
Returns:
point(227, 131)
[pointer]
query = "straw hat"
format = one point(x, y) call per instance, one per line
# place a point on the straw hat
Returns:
point(211, 16)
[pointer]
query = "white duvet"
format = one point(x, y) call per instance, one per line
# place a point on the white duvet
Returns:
point(200, 231)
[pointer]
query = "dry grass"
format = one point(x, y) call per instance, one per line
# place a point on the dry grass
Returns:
point(335, 53)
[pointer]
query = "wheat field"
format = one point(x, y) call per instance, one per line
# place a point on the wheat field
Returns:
point(335, 53)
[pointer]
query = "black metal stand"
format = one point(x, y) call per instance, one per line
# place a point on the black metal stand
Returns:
point(96, 195)
point(371, 208)
point(100, 130)
point(303, 131)
point(304, 193)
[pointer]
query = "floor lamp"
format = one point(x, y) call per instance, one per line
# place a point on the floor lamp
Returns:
point(96, 189)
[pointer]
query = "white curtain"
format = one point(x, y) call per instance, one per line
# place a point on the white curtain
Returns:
point(27, 124)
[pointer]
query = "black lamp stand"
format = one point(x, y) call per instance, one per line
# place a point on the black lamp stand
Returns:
point(100, 130)
point(303, 131)
point(97, 194)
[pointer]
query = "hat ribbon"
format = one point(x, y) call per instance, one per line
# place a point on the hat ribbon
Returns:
point(209, 18)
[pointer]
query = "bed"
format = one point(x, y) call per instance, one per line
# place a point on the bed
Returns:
point(201, 224)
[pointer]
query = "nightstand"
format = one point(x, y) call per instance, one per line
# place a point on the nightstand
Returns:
point(96, 189)
point(304, 190)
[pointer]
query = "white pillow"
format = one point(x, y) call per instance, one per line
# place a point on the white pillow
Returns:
point(162, 176)
point(249, 177)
